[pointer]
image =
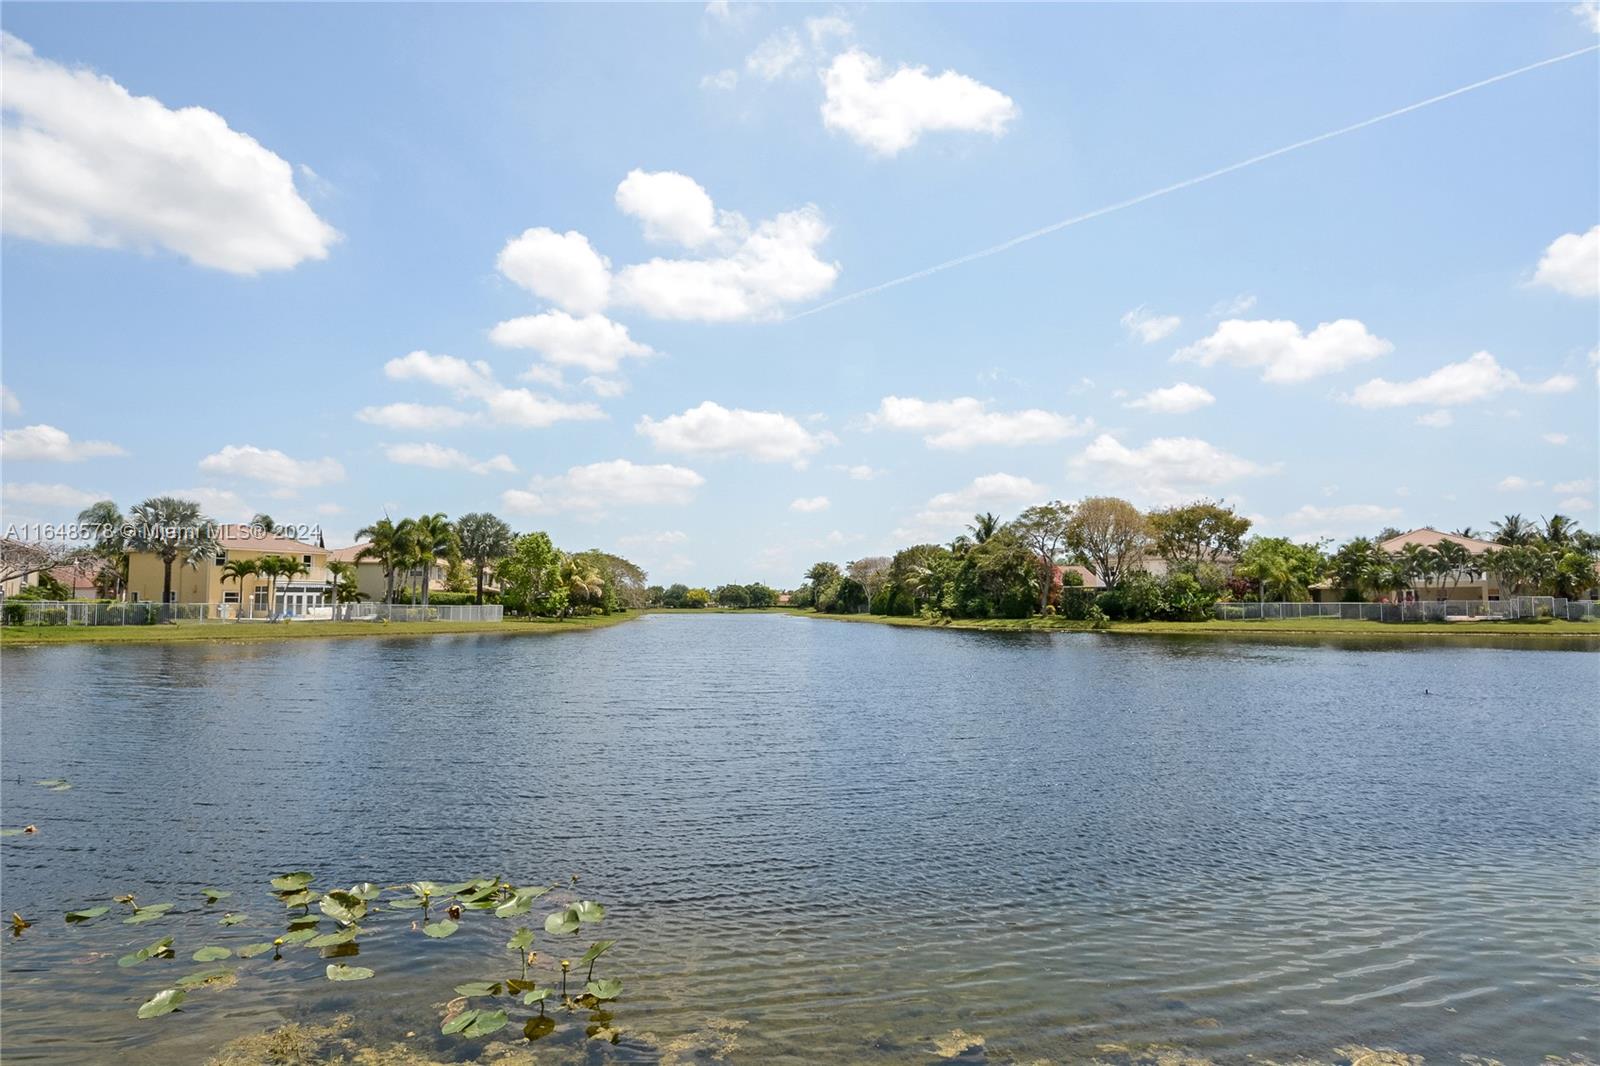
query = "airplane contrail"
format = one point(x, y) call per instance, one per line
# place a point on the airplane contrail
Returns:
point(1186, 183)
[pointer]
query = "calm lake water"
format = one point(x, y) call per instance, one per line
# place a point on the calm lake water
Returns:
point(824, 842)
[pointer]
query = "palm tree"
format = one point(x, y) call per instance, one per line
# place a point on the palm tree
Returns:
point(1413, 562)
point(1513, 531)
point(583, 581)
point(238, 570)
point(429, 537)
point(485, 540)
point(1560, 530)
point(265, 523)
point(386, 545)
point(983, 527)
point(1455, 562)
point(173, 529)
point(105, 521)
point(344, 583)
point(1468, 532)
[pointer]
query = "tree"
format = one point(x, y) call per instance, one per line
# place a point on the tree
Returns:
point(265, 523)
point(20, 559)
point(872, 574)
point(1455, 562)
point(237, 570)
point(484, 540)
point(983, 527)
point(697, 598)
point(583, 581)
point(345, 587)
point(273, 567)
point(674, 595)
point(759, 595)
point(427, 539)
point(109, 545)
point(1199, 532)
point(1356, 564)
point(1574, 574)
point(914, 577)
point(1282, 569)
point(1109, 536)
point(1513, 531)
point(824, 579)
point(174, 529)
point(731, 596)
point(530, 577)
point(1560, 530)
point(386, 546)
point(1043, 529)
point(624, 581)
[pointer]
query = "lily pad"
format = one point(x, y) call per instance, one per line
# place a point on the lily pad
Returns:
point(589, 911)
point(478, 988)
point(147, 913)
point(214, 894)
point(55, 784)
point(566, 921)
point(609, 988)
point(87, 915)
point(535, 996)
point(521, 940)
point(292, 882)
point(164, 1002)
point(233, 919)
point(535, 1028)
point(161, 947)
point(597, 949)
point(474, 1023)
point(366, 890)
point(343, 907)
point(205, 977)
point(250, 951)
point(343, 936)
point(338, 971)
point(440, 929)
point(211, 953)
point(299, 936)
point(298, 899)
point(304, 921)
point(406, 904)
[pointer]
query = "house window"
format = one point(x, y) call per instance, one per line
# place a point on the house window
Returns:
point(260, 599)
point(306, 559)
point(221, 559)
point(135, 598)
point(230, 597)
point(172, 597)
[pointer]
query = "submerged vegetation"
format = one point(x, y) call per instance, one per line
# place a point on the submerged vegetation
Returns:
point(538, 996)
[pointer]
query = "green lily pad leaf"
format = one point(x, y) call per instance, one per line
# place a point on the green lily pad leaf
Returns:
point(55, 784)
point(338, 971)
point(250, 951)
point(440, 929)
point(298, 899)
point(304, 921)
point(562, 921)
point(535, 996)
point(428, 888)
point(535, 1028)
point(147, 914)
point(478, 988)
point(11, 831)
point(609, 988)
point(299, 936)
point(474, 1023)
point(516, 984)
point(214, 894)
point(366, 890)
point(87, 915)
point(597, 949)
point(204, 977)
point(521, 940)
point(343, 907)
point(589, 911)
point(292, 882)
point(149, 951)
point(406, 904)
point(343, 936)
point(521, 902)
point(488, 903)
point(164, 1002)
point(233, 919)
point(211, 953)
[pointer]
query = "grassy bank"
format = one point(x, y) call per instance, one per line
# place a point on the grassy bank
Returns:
point(1308, 626)
point(254, 632)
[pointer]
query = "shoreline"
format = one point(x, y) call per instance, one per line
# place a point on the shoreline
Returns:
point(261, 632)
point(1331, 627)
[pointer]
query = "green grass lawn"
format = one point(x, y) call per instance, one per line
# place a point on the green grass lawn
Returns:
point(1323, 626)
point(259, 631)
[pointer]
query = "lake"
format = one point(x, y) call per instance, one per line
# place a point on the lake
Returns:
point(830, 842)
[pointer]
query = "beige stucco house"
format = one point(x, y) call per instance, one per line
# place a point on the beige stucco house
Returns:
point(203, 582)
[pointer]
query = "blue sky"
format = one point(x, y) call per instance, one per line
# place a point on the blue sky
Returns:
point(547, 261)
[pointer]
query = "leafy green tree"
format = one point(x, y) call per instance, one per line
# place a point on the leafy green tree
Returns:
point(872, 575)
point(345, 587)
point(1196, 533)
point(585, 585)
point(1044, 530)
point(174, 529)
point(484, 539)
point(759, 595)
point(983, 527)
point(731, 596)
point(1355, 564)
point(265, 523)
point(1559, 531)
point(273, 567)
point(654, 595)
point(697, 598)
point(427, 539)
point(109, 545)
point(1514, 531)
point(824, 580)
point(387, 546)
point(1109, 536)
point(1574, 575)
point(530, 577)
point(1282, 569)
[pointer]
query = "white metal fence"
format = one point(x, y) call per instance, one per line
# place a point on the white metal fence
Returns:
point(101, 613)
point(1512, 607)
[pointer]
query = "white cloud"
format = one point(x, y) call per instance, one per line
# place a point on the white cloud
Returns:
point(1234, 307)
point(329, 509)
point(1576, 503)
point(272, 466)
point(89, 163)
point(506, 406)
point(711, 429)
point(51, 444)
point(1589, 12)
point(1515, 483)
point(1476, 378)
point(722, 80)
point(810, 504)
point(747, 272)
point(889, 113)
point(1572, 264)
point(859, 471)
point(1340, 520)
point(665, 536)
point(438, 457)
point(224, 505)
point(1439, 419)
point(560, 267)
point(1285, 354)
point(1554, 438)
point(593, 488)
point(1165, 470)
point(948, 512)
point(9, 404)
point(1174, 399)
point(1148, 326)
point(413, 416)
point(60, 496)
point(1581, 485)
point(966, 422)
point(780, 54)
point(605, 388)
point(592, 342)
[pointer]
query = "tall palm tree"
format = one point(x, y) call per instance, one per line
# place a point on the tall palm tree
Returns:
point(385, 545)
point(265, 523)
point(430, 537)
point(105, 521)
point(583, 581)
point(1513, 531)
point(1468, 532)
point(1559, 530)
point(1455, 562)
point(272, 567)
point(983, 527)
point(238, 570)
point(485, 540)
point(174, 529)
point(344, 584)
